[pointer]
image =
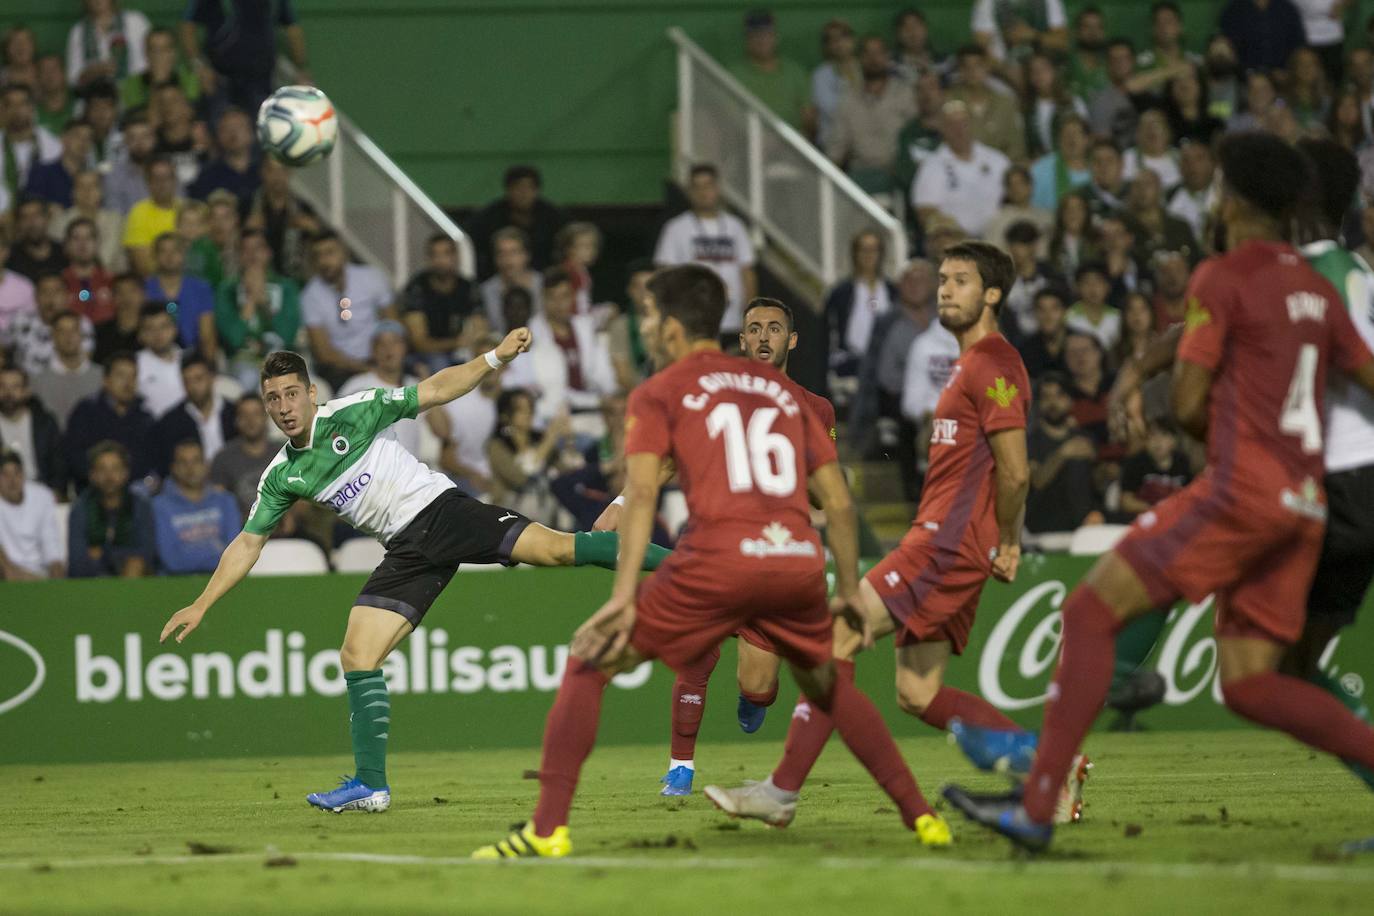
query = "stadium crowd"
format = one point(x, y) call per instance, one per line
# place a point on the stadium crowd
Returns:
point(152, 256)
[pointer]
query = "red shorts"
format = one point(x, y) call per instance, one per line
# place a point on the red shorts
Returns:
point(684, 610)
point(932, 593)
point(1254, 553)
point(758, 639)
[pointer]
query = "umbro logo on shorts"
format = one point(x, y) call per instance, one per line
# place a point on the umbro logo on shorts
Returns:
point(892, 579)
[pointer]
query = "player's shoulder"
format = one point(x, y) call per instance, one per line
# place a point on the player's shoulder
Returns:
point(996, 354)
point(277, 469)
point(342, 405)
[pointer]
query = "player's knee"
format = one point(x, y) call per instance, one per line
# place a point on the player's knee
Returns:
point(816, 683)
point(354, 658)
point(914, 696)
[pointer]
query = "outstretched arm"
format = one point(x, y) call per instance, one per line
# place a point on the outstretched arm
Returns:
point(238, 558)
point(455, 381)
point(1013, 483)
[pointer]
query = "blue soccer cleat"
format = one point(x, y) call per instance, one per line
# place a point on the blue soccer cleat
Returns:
point(1005, 815)
point(750, 716)
point(678, 781)
point(352, 795)
point(995, 750)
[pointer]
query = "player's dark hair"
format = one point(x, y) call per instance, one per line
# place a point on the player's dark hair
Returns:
point(1265, 172)
point(703, 168)
point(119, 356)
point(281, 363)
point(763, 302)
point(1335, 178)
point(196, 358)
point(8, 456)
point(692, 294)
point(995, 267)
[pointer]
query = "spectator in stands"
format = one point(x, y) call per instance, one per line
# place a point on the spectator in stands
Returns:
point(1264, 32)
point(1345, 123)
point(521, 457)
point(121, 333)
point(1043, 350)
point(90, 288)
point(1105, 191)
point(16, 291)
point(1137, 329)
point(126, 183)
point(23, 143)
point(1018, 207)
point(1189, 112)
point(1360, 73)
point(239, 465)
point(517, 311)
point(341, 348)
point(110, 531)
point(193, 521)
point(34, 253)
point(117, 413)
point(578, 245)
point(1087, 64)
point(1047, 103)
point(236, 169)
point(1308, 95)
point(629, 354)
point(200, 253)
point(1032, 275)
point(1112, 112)
point(101, 111)
point(30, 536)
point(153, 216)
point(571, 364)
point(257, 311)
point(1011, 31)
point(882, 373)
point(586, 491)
point(512, 258)
point(53, 181)
point(1064, 169)
point(996, 120)
point(1089, 383)
point(202, 416)
point(20, 56)
point(1063, 494)
point(465, 426)
point(953, 180)
point(387, 371)
point(287, 220)
point(1166, 39)
point(1091, 315)
point(159, 360)
point(1222, 74)
point(69, 376)
point(108, 225)
point(238, 50)
point(1196, 195)
point(854, 306)
point(778, 82)
point(919, 137)
point(1171, 272)
point(523, 207)
point(435, 303)
point(28, 430)
point(54, 103)
point(180, 137)
point(107, 44)
point(929, 365)
point(706, 234)
point(1157, 472)
point(225, 230)
point(836, 75)
point(1153, 149)
point(31, 333)
point(869, 118)
point(913, 55)
point(1118, 235)
point(1156, 227)
point(191, 298)
point(1366, 250)
point(164, 69)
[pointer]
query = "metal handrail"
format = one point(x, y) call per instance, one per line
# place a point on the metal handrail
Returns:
point(751, 200)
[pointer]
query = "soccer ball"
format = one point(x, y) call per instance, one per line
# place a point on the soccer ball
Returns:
point(296, 125)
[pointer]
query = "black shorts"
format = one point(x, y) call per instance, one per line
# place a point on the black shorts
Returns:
point(421, 560)
point(1347, 562)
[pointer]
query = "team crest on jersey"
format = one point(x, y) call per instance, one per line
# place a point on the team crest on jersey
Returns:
point(1002, 393)
point(944, 432)
point(340, 445)
point(1196, 315)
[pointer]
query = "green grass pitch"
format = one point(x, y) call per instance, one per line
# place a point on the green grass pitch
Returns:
point(1233, 822)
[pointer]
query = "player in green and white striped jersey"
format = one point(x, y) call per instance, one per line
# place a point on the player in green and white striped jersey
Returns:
point(344, 456)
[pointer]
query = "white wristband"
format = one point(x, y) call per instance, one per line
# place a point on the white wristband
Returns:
point(619, 500)
point(492, 359)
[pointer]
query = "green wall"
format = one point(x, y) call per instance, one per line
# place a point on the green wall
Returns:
point(455, 91)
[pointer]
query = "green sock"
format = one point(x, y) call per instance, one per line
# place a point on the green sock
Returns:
point(600, 548)
point(1357, 708)
point(1135, 642)
point(369, 722)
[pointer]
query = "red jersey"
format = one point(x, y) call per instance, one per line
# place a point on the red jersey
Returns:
point(1267, 325)
point(743, 443)
point(988, 391)
point(822, 408)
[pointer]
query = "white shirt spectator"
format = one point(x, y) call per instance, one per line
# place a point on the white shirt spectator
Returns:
point(370, 292)
point(18, 437)
point(159, 381)
point(472, 419)
point(43, 147)
point(32, 341)
point(209, 426)
point(1166, 166)
point(133, 25)
point(1193, 206)
point(1107, 330)
point(492, 290)
point(407, 432)
point(29, 532)
point(969, 191)
point(721, 243)
point(870, 301)
point(16, 297)
point(984, 19)
point(928, 366)
point(551, 369)
point(1322, 22)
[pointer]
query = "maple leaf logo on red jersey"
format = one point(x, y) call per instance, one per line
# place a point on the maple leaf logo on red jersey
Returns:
point(1196, 315)
point(1001, 392)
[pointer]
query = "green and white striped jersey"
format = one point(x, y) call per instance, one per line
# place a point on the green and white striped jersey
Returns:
point(1349, 408)
point(354, 466)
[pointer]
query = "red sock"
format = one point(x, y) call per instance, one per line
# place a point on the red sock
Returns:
point(1076, 696)
point(1303, 710)
point(952, 703)
point(810, 729)
point(761, 699)
point(689, 704)
point(569, 734)
point(865, 734)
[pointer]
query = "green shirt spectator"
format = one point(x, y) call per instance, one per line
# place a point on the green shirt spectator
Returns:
point(777, 82)
point(135, 90)
point(257, 311)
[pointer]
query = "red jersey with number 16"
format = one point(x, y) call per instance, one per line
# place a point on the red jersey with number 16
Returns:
point(1267, 325)
point(744, 442)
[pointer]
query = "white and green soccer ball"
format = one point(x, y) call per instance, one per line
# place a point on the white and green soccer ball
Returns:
point(297, 125)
